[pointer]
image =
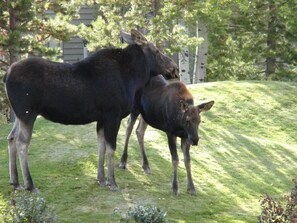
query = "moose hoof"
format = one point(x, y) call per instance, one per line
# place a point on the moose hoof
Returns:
point(34, 191)
point(17, 188)
point(175, 192)
point(102, 183)
point(192, 191)
point(147, 170)
point(114, 188)
point(122, 166)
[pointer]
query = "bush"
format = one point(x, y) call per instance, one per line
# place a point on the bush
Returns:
point(27, 207)
point(274, 212)
point(3, 101)
point(144, 214)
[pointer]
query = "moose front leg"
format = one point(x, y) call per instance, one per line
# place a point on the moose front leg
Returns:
point(111, 129)
point(185, 144)
point(105, 148)
point(110, 165)
point(174, 160)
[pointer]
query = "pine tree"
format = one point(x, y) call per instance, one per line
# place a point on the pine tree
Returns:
point(254, 40)
point(26, 26)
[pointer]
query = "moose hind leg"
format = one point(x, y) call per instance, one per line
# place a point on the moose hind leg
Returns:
point(101, 153)
point(130, 123)
point(142, 126)
point(12, 151)
point(22, 143)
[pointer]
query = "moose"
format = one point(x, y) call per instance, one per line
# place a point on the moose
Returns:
point(100, 88)
point(167, 106)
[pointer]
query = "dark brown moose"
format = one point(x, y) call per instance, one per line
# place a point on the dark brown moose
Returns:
point(100, 88)
point(167, 106)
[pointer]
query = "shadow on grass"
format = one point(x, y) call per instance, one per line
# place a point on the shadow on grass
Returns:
point(236, 161)
point(63, 165)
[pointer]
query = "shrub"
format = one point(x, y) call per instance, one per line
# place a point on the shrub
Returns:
point(144, 214)
point(27, 207)
point(274, 211)
point(4, 105)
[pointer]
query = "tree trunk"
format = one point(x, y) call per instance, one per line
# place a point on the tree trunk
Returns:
point(199, 74)
point(184, 62)
point(12, 26)
point(156, 5)
point(184, 66)
point(13, 56)
point(271, 41)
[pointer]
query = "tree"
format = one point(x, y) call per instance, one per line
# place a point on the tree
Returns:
point(184, 60)
point(26, 26)
point(271, 39)
point(254, 40)
point(159, 19)
point(201, 54)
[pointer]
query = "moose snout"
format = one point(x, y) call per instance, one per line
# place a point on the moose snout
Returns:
point(175, 72)
point(194, 140)
point(172, 73)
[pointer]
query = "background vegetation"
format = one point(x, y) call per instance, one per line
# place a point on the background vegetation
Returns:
point(244, 39)
point(247, 148)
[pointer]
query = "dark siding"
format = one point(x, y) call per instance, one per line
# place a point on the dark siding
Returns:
point(73, 50)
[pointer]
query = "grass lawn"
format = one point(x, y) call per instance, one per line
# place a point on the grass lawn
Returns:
point(247, 147)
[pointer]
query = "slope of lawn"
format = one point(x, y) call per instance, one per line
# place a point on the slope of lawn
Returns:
point(247, 147)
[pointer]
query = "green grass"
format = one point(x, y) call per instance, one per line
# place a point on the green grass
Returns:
point(247, 147)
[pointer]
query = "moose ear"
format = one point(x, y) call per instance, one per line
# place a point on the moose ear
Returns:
point(205, 106)
point(126, 37)
point(183, 106)
point(138, 38)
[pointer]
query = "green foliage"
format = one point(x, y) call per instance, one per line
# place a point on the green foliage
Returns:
point(147, 214)
point(3, 100)
point(238, 31)
point(26, 207)
point(144, 214)
point(26, 26)
point(160, 23)
point(239, 40)
point(2, 92)
point(274, 211)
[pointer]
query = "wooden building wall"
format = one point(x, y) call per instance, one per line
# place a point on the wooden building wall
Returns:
point(73, 50)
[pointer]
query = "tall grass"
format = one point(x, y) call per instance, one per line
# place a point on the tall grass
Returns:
point(247, 147)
